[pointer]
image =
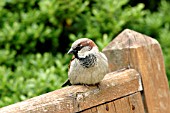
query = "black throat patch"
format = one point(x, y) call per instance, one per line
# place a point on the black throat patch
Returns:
point(88, 61)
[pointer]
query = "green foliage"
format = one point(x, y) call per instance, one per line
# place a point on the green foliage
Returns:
point(24, 23)
point(35, 74)
point(105, 19)
point(35, 35)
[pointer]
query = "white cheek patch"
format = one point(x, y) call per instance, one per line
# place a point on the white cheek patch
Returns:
point(88, 42)
point(84, 52)
point(82, 56)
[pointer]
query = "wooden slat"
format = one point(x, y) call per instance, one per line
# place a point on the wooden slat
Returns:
point(102, 108)
point(136, 104)
point(106, 108)
point(87, 111)
point(94, 110)
point(134, 50)
point(77, 98)
point(122, 105)
point(108, 93)
point(128, 104)
point(111, 107)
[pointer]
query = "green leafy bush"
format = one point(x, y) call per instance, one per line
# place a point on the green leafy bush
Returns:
point(35, 35)
point(34, 74)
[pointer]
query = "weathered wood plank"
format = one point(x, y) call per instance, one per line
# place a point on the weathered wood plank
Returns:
point(109, 93)
point(122, 105)
point(134, 50)
point(78, 97)
point(102, 108)
point(111, 107)
point(94, 110)
point(128, 104)
point(87, 111)
point(136, 104)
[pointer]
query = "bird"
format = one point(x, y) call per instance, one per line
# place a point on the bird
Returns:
point(88, 65)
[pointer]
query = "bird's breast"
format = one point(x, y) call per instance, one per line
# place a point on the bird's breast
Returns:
point(89, 70)
point(88, 61)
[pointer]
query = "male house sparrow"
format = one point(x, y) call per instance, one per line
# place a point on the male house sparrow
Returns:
point(88, 65)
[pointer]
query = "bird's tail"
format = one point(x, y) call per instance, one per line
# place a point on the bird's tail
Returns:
point(67, 82)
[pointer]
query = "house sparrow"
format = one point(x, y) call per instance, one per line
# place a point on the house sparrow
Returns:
point(88, 65)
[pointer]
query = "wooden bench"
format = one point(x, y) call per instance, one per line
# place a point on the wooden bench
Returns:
point(137, 83)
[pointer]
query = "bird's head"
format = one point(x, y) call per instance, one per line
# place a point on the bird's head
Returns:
point(82, 47)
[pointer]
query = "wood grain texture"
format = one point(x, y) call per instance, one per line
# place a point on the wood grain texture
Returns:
point(122, 105)
point(111, 107)
point(134, 50)
point(136, 104)
point(128, 104)
point(94, 110)
point(78, 97)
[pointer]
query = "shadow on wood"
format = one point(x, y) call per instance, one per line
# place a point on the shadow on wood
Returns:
point(132, 57)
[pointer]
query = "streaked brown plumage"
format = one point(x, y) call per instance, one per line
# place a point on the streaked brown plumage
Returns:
point(88, 65)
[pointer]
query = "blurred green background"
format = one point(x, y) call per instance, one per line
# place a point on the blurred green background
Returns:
point(36, 34)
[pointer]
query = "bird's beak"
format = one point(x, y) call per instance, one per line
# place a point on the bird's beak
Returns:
point(71, 51)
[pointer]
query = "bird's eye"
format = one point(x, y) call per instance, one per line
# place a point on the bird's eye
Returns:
point(78, 48)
